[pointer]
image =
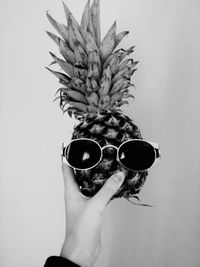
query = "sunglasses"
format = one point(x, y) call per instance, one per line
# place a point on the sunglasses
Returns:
point(134, 154)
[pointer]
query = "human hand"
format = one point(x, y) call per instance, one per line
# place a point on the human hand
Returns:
point(82, 243)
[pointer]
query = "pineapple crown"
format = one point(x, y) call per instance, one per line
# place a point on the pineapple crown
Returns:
point(96, 77)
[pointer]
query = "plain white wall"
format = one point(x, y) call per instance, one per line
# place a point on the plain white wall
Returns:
point(166, 108)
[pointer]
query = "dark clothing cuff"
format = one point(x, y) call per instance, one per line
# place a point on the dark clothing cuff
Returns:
point(56, 261)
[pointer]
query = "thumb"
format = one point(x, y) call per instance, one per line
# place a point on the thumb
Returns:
point(110, 187)
point(71, 187)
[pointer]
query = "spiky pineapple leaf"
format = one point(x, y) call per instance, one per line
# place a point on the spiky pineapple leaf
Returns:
point(52, 63)
point(60, 76)
point(85, 19)
point(128, 95)
point(54, 37)
point(90, 25)
point(55, 99)
point(77, 32)
point(120, 36)
point(60, 28)
point(78, 105)
point(69, 14)
point(95, 15)
point(67, 67)
point(108, 43)
point(61, 89)
point(122, 102)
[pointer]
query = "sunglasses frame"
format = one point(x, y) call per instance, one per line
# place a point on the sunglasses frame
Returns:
point(154, 145)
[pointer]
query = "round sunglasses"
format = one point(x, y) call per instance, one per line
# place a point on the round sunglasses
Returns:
point(134, 154)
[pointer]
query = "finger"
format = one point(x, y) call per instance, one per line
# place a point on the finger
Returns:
point(71, 187)
point(110, 187)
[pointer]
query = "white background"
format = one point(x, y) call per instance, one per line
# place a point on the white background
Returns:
point(166, 108)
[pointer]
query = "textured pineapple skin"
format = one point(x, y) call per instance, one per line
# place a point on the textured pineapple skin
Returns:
point(113, 128)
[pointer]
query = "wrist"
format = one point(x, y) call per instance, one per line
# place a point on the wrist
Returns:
point(77, 254)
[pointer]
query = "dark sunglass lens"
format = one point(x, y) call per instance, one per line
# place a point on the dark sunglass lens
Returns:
point(83, 154)
point(137, 155)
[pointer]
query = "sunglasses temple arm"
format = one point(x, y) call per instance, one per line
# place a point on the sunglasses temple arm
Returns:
point(158, 155)
point(62, 152)
point(157, 152)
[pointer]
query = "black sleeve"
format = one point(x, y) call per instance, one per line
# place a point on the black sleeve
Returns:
point(56, 261)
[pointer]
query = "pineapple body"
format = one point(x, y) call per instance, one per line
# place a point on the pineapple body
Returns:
point(108, 128)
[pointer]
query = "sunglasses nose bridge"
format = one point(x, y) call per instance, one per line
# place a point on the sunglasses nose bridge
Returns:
point(109, 151)
point(109, 146)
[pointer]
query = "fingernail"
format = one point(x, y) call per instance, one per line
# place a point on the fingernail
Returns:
point(119, 177)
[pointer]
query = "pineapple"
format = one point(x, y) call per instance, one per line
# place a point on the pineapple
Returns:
point(95, 84)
